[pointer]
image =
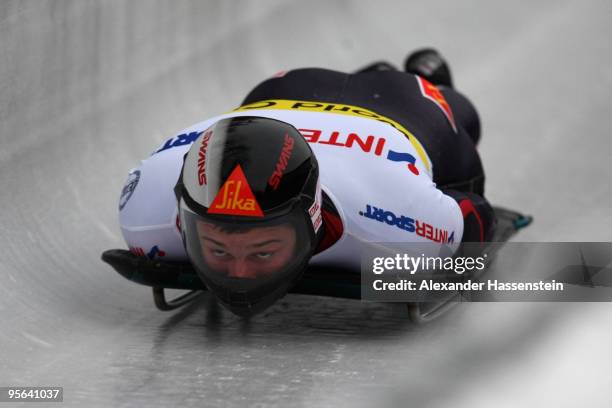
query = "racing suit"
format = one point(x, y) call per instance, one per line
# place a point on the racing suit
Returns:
point(396, 154)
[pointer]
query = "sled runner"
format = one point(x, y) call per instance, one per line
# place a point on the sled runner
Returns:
point(161, 275)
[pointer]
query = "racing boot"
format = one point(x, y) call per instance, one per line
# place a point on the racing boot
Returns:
point(429, 64)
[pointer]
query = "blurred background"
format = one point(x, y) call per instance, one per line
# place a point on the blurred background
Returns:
point(89, 88)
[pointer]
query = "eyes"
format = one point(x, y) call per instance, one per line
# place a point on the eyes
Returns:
point(219, 253)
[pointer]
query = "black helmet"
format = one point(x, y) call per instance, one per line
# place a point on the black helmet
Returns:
point(250, 210)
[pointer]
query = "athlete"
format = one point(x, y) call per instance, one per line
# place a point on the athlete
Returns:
point(313, 167)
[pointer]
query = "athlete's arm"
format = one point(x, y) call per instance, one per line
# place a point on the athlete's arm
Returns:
point(478, 217)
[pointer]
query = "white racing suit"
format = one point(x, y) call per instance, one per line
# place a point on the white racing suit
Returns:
point(374, 171)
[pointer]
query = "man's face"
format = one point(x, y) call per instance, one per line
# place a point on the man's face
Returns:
point(256, 253)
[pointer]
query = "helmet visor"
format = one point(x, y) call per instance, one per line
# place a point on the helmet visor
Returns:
point(247, 265)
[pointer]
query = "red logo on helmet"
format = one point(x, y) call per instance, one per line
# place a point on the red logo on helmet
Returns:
point(431, 92)
point(236, 197)
point(202, 158)
point(283, 161)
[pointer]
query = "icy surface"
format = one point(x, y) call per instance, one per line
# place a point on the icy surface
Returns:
point(88, 88)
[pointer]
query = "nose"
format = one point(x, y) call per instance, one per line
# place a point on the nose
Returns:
point(239, 268)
